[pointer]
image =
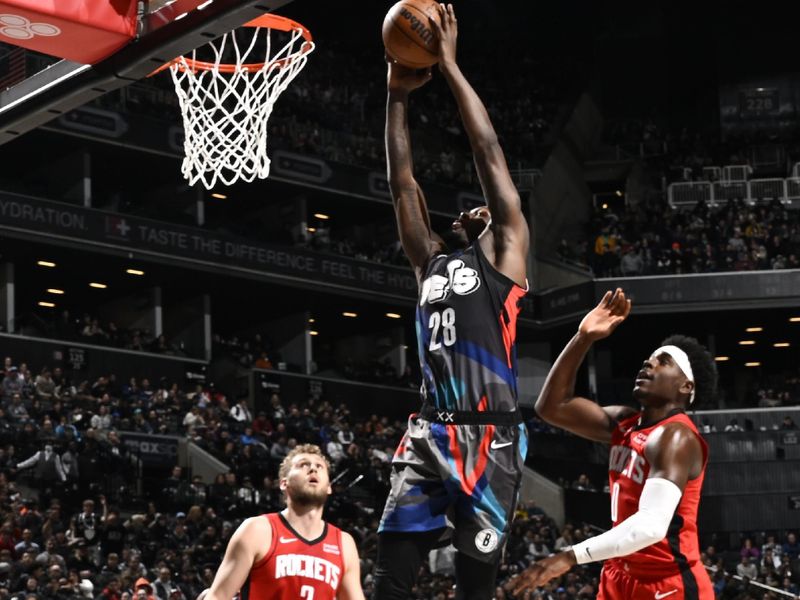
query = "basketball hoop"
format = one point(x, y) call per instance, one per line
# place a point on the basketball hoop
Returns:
point(226, 106)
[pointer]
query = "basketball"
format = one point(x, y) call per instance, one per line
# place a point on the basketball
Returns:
point(407, 33)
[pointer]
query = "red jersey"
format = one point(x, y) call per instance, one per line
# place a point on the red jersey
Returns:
point(295, 568)
point(627, 471)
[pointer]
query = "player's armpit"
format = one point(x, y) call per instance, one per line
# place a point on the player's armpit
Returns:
point(674, 453)
point(252, 534)
point(350, 587)
point(618, 413)
point(580, 416)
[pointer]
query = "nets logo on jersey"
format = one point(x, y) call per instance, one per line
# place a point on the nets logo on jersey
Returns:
point(460, 279)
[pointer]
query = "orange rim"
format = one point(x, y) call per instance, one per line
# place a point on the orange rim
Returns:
point(266, 21)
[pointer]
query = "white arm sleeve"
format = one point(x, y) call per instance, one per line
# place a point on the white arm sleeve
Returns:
point(657, 504)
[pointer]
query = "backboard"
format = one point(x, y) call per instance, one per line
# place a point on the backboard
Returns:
point(35, 88)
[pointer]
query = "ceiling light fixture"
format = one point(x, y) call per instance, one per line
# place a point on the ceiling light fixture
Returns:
point(98, 286)
point(747, 343)
point(134, 272)
point(321, 216)
point(54, 291)
point(47, 304)
point(45, 263)
point(352, 315)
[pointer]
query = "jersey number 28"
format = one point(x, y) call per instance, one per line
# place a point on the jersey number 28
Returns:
point(446, 321)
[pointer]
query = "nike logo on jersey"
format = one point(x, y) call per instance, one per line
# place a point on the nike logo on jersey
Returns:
point(287, 540)
point(496, 446)
point(660, 595)
point(460, 279)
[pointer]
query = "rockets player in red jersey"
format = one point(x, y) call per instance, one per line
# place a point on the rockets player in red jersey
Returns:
point(656, 466)
point(293, 554)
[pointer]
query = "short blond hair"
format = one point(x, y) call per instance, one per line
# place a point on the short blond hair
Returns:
point(286, 464)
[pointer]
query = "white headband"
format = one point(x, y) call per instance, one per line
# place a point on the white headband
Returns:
point(682, 360)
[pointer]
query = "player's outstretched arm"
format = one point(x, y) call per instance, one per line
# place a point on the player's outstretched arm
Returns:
point(413, 221)
point(508, 222)
point(675, 457)
point(350, 588)
point(557, 403)
point(252, 534)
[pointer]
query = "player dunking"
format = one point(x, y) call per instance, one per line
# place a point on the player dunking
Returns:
point(456, 473)
point(293, 554)
point(657, 464)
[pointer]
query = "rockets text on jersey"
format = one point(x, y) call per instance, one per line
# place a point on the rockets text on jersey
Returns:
point(296, 568)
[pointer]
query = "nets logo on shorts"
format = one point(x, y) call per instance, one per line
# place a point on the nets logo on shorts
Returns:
point(486, 540)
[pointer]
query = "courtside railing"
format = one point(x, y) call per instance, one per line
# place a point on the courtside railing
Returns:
point(762, 586)
point(754, 191)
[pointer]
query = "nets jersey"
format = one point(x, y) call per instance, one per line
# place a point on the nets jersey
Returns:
point(466, 333)
point(628, 469)
point(295, 568)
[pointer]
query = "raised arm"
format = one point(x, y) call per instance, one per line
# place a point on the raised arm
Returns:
point(508, 222)
point(557, 403)
point(413, 222)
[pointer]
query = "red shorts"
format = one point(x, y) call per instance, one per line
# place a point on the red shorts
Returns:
point(693, 584)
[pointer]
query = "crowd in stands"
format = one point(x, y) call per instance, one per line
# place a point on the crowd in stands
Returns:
point(350, 128)
point(359, 243)
point(653, 239)
point(782, 389)
point(90, 329)
point(91, 534)
point(768, 559)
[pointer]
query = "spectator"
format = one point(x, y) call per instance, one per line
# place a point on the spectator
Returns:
point(791, 549)
point(241, 413)
point(750, 551)
point(583, 484)
point(12, 384)
point(746, 568)
point(733, 426)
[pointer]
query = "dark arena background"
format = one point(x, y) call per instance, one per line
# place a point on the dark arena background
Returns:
point(172, 343)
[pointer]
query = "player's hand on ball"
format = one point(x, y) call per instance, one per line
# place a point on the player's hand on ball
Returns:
point(447, 33)
point(612, 310)
point(400, 78)
point(539, 573)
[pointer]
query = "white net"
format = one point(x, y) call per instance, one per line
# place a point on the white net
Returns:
point(226, 108)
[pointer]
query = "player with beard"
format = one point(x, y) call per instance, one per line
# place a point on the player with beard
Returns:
point(456, 474)
point(657, 463)
point(292, 554)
